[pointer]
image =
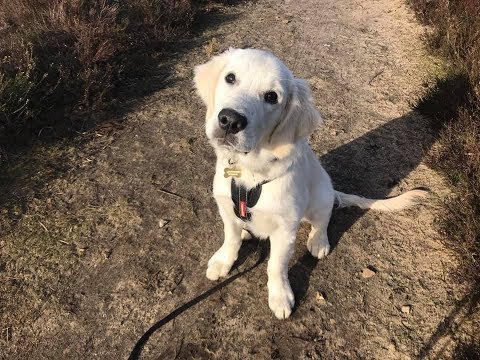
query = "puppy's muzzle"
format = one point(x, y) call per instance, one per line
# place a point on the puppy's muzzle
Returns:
point(231, 121)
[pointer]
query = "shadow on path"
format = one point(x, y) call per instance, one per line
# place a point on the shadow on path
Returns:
point(469, 304)
point(34, 158)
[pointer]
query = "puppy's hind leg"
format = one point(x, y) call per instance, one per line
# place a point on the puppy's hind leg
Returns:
point(319, 216)
point(221, 262)
point(317, 242)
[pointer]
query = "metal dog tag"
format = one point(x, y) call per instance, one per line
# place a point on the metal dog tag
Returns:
point(232, 172)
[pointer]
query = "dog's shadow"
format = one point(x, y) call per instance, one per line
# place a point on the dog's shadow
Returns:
point(249, 247)
point(370, 166)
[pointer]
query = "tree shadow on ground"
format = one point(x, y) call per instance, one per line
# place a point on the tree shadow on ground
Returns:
point(469, 351)
point(464, 309)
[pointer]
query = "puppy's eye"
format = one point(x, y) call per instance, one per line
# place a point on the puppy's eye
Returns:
point(271, 97)
point(230, 78)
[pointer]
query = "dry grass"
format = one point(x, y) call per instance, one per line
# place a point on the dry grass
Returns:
point(456, 33)
point(454, 105)
point(458, 156)
point(72, 53)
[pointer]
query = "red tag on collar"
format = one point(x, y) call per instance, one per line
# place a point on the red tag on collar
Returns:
point(243, 209)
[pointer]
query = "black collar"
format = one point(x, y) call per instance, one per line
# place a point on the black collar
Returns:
point(244, 199)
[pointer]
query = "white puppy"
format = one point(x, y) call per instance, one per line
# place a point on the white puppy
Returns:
point(267, 177)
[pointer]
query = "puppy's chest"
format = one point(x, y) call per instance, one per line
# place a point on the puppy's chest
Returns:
point(261, 224)
point(254, 209)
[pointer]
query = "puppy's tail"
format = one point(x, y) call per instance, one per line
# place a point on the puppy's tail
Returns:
point(396, 203)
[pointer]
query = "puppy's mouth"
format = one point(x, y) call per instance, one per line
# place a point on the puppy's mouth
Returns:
point(228, 141)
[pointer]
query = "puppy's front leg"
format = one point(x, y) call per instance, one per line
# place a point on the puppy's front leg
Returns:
point(280, 295)
point(221, 262)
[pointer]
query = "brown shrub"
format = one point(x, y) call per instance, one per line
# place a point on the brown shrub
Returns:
point(454, 104)
point(456, 33)
point(458, 156)
point(147, 21)
point(71, 53)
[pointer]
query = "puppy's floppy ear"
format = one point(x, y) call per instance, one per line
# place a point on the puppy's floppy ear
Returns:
point(298, 120)
point(206, 79)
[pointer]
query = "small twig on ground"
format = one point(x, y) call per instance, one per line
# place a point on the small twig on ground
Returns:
point(8, 334)
point(171, 193)
point(179, 348)
point(44, 227)
point(377, 74)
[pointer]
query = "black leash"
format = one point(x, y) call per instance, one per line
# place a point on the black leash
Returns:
point(137, 349)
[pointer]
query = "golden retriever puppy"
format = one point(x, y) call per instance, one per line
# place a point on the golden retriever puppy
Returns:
point(267, 177)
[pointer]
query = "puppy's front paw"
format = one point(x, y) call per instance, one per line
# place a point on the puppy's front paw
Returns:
point(281, 300)
point(219, 265)
point(318, 246)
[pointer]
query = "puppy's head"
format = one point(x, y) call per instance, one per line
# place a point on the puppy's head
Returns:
point(254, 101)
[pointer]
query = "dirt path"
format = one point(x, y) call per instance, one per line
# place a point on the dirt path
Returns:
point(87, 268)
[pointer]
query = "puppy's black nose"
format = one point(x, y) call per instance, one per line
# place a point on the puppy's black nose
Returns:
point(231, 121)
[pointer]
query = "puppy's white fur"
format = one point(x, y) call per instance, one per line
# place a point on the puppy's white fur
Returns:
point(272, 146)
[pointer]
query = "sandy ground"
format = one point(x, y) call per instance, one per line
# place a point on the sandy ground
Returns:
point(88, 264)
